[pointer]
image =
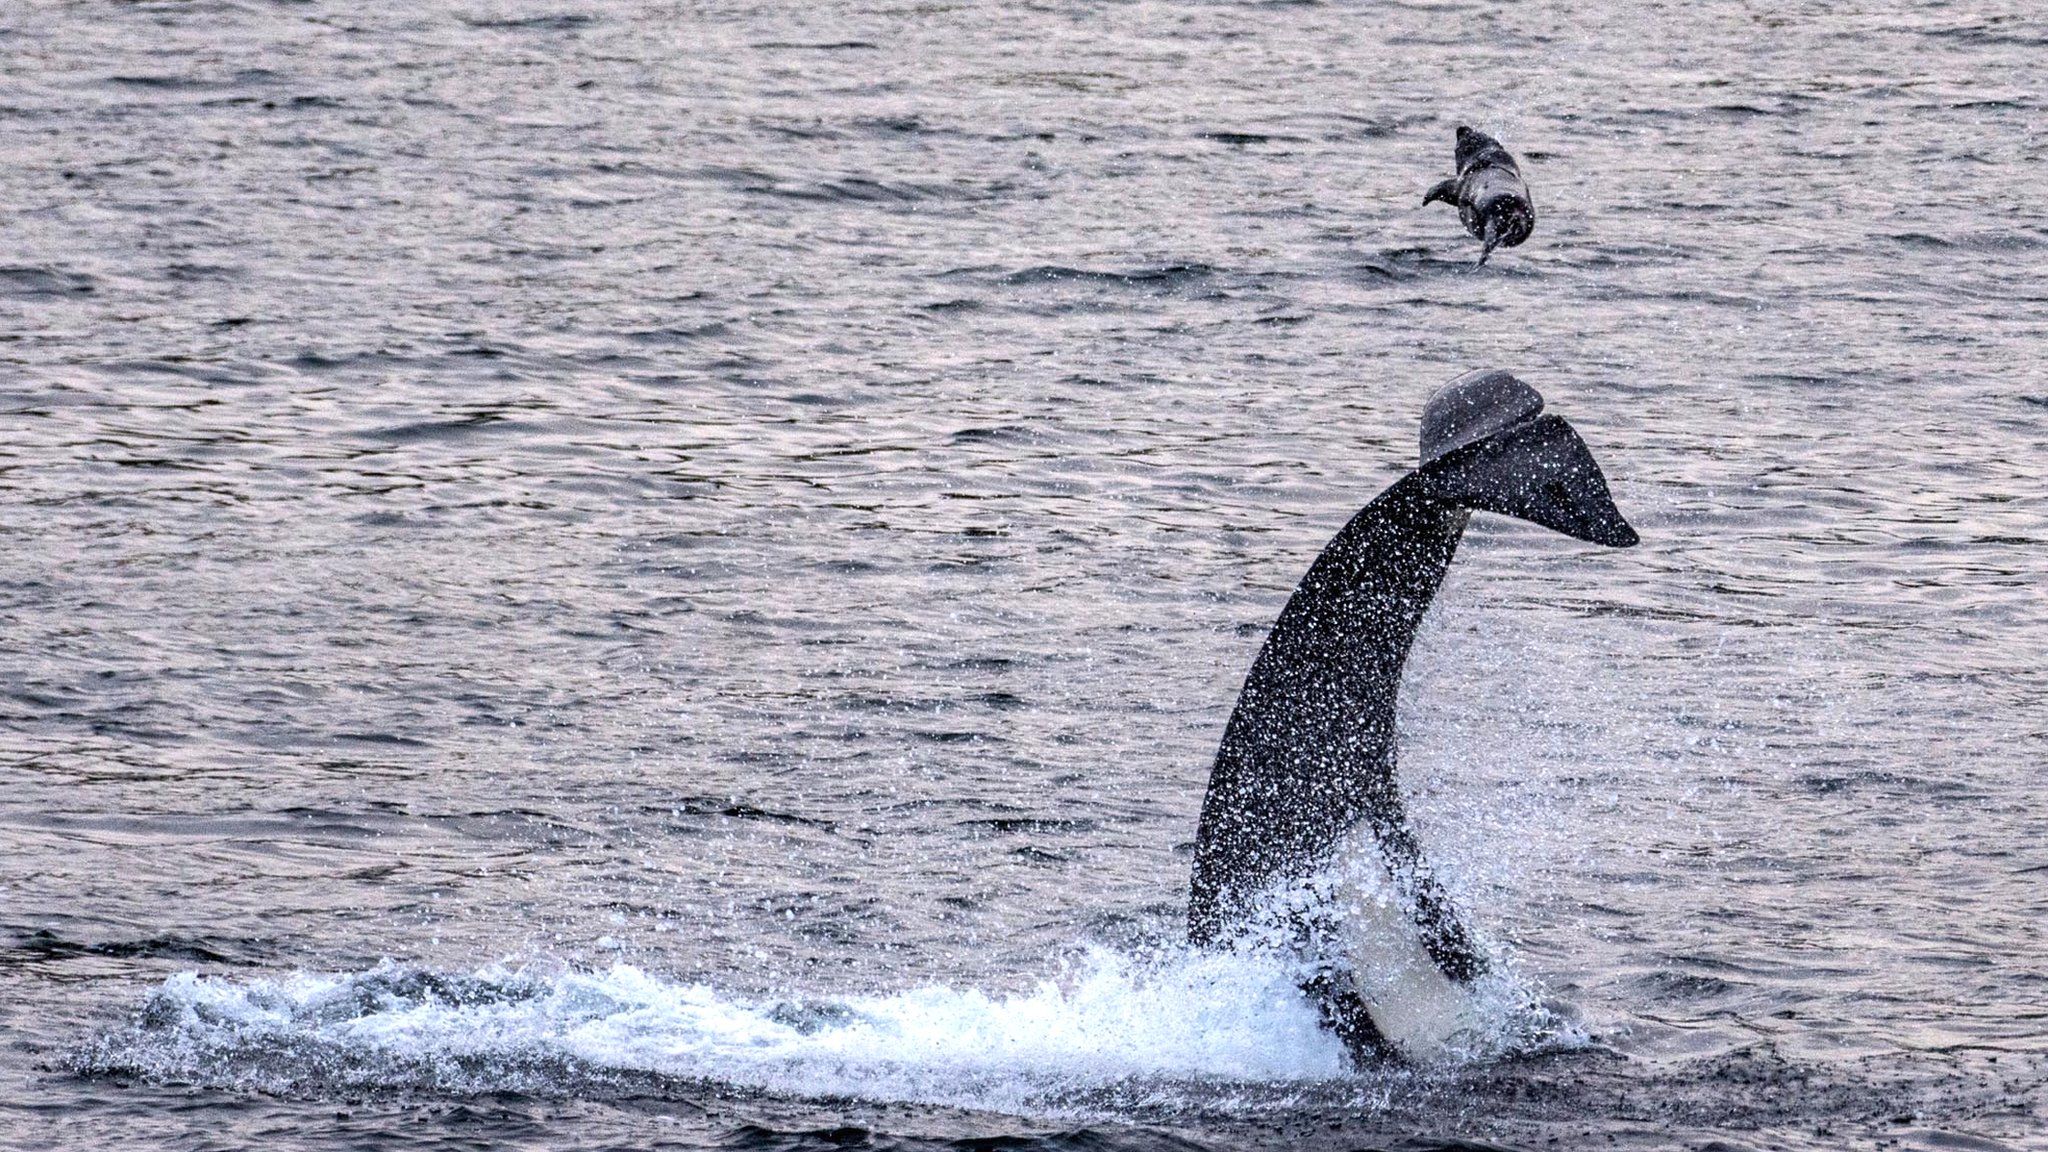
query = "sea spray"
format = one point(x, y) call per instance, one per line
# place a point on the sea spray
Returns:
point(1156, 1027)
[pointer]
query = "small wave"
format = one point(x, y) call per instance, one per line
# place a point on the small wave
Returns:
point(1164, 276)
point(1221, 136)
point(44, 944)
point(19, 281)
point(451, 429)
point(1976, 241)
point(850, 188)
point(819, 46)
point(734, 810)
point(189, 83)
point(1988, 32)
point(677, 334)
point(557, 22)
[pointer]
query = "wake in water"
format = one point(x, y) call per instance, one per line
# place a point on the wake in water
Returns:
point(1212, 1031)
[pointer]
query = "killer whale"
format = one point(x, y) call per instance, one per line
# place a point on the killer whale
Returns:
point(1303, 831)
point(1492, 200)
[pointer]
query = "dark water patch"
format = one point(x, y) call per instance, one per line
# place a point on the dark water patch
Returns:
point(898, 126)
point(1338, 126)
point(759, 1138)
point(818, 46)
point(978, 664)
point(1165, 277)
point(459, 428)
point(950, 735)
point(182, 83)
point(1746, 111)
point(378, 739)
point(1920, 240)
point(1798, 379)
point(191, 273)
point(814, 130)
point(1886, 782)
point(32, 282)
point(849, 189)
point(1008, 825)
point(2013, 104)
point(733, 810)
point(1974, 241)
point(1117, 1138)
point(186, 828)
point(186, 369)
point(1666, 987)
point(313, 361)
point(1666, 293)
point(853, 188)
point(1002, 434)
point(1243, 139)
point(1995, 31)
point(549, 22)
point(44, 945)
point(1631, 255)
point(1409, 263)
point(679, 335)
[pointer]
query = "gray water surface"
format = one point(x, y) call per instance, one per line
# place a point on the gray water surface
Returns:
point(642, 574)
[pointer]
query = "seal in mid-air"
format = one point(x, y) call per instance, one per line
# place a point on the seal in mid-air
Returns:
point(1303, 835)
point(1492, 200)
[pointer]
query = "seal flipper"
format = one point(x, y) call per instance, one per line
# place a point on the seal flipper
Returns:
point(1445, 190)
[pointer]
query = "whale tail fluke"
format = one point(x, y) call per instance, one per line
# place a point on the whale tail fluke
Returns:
point(1487, 446)
point(1540, 472)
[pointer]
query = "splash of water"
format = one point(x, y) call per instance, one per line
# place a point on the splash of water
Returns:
point(1151, 1028)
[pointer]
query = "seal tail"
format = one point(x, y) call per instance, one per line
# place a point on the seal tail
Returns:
point(1492, 239)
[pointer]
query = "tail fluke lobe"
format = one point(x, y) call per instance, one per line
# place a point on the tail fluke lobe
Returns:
point(1486, 445)
point(1540, 472)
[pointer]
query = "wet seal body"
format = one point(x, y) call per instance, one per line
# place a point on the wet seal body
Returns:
point(1303, 831)
point(1493, 202)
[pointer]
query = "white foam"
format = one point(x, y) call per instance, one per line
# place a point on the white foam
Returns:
point(1137, 1027)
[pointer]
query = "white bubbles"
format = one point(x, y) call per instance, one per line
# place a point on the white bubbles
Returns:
point(1163, 1028)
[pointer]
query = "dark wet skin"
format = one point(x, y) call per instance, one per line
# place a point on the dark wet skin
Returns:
point(1309, 753)
point(1492, 199)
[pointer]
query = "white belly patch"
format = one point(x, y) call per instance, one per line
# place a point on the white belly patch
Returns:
point(1425, 1015)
